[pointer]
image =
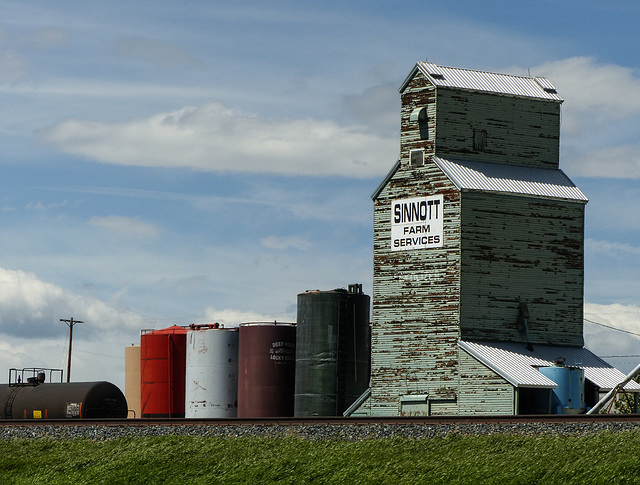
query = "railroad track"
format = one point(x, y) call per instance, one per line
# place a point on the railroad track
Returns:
point(335, 421)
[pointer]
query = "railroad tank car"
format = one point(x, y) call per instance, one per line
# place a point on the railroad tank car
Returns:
point(266, 369)
point(333, 351)
point(211, 372)
point(162, 371)
point(58, 400)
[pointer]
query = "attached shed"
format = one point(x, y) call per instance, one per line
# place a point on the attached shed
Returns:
point(478, 237)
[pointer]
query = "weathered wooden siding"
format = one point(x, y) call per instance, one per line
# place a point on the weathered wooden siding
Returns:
point(518, 130)
point(415, 321)
point(481, 390)
point(522, 249)
point(498, 250)
point(413, 135)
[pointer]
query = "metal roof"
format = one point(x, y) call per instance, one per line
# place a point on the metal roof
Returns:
point(512, 179)
point(506, 84)
point(517, 365)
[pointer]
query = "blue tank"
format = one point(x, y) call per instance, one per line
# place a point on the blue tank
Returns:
point(568, 397)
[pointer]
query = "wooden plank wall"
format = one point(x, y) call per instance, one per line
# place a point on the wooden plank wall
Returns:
point(522, 249)
point(415, 319)
point(419, 94)
point(481, 390)
point(518, 130)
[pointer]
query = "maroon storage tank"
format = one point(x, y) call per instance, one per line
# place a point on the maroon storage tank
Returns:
point(266, 369)
point(162, 372)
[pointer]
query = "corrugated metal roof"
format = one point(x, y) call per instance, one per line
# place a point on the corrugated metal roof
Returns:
point(513, 179)
point(517, 365)
point(453, 77)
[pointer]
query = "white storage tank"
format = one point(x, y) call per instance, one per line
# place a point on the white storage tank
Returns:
point(211, 372)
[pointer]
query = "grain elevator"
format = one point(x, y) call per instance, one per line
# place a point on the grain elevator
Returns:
point(478, 254)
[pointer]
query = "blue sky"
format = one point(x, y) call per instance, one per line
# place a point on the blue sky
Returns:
point(170, 162)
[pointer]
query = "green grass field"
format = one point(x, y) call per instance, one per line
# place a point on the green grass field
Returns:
point(607, 458)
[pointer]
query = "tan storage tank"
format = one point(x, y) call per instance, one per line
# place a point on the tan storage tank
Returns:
point(132, 380)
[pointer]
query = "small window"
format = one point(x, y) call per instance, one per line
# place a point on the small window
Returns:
point(479, 140)
point(416, 158)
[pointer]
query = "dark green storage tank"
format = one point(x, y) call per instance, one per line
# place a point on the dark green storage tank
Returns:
point(333, 351)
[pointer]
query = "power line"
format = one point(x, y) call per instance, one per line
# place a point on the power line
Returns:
point(619, 356)
point(101, 355)
point(612, 328)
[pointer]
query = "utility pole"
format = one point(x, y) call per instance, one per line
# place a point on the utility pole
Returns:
point(70, 323)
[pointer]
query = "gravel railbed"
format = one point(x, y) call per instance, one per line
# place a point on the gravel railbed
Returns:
point(312, 432)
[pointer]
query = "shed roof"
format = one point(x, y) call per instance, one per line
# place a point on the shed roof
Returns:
point(518, 365)
point(511, 179)
point(505, 84)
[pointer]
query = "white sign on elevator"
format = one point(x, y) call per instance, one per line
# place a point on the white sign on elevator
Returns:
point(416, 223)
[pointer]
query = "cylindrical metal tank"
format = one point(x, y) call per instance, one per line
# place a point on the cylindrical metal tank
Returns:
point(212, 372)
point(568, 397)
point(266, 369)
point(333, 351)
point(162, 372)
point(62, 400)
point(132, 379)
point(355, 348)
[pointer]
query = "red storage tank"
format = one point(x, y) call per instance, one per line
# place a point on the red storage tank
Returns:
point(266, 369)
point(162, 372)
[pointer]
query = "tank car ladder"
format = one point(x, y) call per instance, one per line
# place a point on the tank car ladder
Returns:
point(8, 405)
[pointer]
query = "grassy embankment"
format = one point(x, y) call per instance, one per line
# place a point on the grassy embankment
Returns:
point(604, 458)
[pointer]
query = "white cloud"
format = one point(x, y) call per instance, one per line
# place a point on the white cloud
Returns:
point(232, 318)
point(126, 226)
point(97, 360)
point(619, 348)
point(594, 93)
point(32, 307)
point(279, 242)
point(214, 138)
point(40, 206)
point(32, 335)
point(615, 162)
point(599, 116)
point(611, 249)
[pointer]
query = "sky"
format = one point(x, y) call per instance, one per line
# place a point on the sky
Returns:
point(174, 162)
